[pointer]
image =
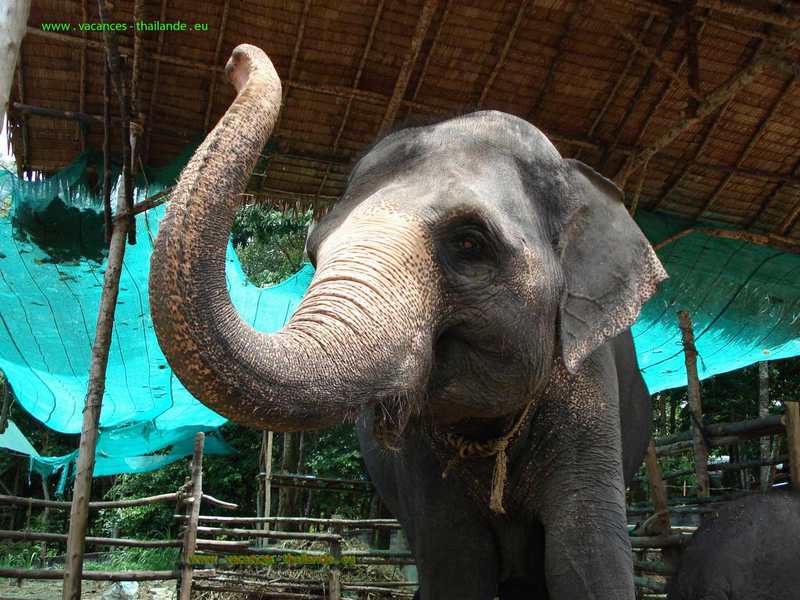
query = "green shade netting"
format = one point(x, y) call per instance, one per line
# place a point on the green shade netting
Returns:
point(51, 272)
point(744, 301)
point(13, 439)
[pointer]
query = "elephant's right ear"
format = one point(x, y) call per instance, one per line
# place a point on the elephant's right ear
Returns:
point(610, 268)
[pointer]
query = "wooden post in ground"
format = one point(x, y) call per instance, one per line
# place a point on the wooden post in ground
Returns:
point(82, 488)
point(763, 411)
point(193, 513)
point(792, 422)
point(658, 493)
point(334, 574)
point(190, 533)
point(693, 386)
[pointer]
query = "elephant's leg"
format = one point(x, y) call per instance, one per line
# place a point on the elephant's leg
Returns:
point(517, 589)
point(455, 560)
point(581, 501)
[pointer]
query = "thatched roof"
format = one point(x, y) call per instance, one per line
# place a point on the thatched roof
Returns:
point(701, 97)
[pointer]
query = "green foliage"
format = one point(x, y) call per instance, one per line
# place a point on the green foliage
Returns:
point(269, 243)
point(137, 559)
point(150, 521)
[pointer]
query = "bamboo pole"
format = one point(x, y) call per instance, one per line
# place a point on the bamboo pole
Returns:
point(98, 541)
point(793, 438)
point(89, 575)
point(345, 523)
point(743, 429)
point(190, 534)
point(38, 503)
point(700, 450)
point(763, 411)
point(658, 493)
point(79, 512)
point(334, 574)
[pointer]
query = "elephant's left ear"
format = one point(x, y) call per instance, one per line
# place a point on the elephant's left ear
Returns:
point(610, 268)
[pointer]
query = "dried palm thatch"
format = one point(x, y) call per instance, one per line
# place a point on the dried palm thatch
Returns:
point(693, 106)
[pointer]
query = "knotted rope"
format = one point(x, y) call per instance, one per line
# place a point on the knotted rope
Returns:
point(497, 447)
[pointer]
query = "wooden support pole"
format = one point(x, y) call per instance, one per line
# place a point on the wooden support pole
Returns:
point(660, 525)
point(115, 65)
point(334, 574)
point(700, 450)
point(107, 216)
point(268, 477)
point(763, 411)
point(793, 438)
point(81, 491)
point(190, 533)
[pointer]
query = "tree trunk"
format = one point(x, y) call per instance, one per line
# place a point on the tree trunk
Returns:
point(673, 412)
point(290, 464)
point(13, 23)
point(763, 411)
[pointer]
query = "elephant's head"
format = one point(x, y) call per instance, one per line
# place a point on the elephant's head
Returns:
point(462, 262)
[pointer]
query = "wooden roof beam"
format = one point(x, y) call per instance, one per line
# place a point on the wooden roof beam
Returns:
point(777, 241)
point(448, 5)
point(712, 102)
point(551, 71)
point(693, 61)
point(782, 18)
point(769, 199)
point(791, 219)
point(779, 16)
point(403, 77)
point(523, 6)
point(655, 58)
point(620, 80)
point(223, 24)
point(644, 82)
point(672, 183)
point(666, 92)
point(301, 29)
point(157, 57)
point(367, 47)
point(752, 141)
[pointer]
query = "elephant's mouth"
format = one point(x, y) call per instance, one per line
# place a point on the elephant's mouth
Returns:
point(392, 416)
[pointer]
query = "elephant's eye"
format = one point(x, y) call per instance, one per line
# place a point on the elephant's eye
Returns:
point(470, 244)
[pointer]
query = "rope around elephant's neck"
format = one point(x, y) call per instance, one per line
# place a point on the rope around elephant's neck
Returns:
point(497, 447)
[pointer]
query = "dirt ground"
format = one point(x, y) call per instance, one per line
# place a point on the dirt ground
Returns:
point(92, 590)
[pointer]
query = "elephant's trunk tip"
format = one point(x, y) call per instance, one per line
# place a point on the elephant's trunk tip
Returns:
point(244, 59)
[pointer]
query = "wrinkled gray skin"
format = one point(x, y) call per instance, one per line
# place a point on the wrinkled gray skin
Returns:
point(748, 550)
point(467, 271)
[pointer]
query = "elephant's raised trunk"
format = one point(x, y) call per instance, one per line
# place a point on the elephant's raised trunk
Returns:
point(338, 352)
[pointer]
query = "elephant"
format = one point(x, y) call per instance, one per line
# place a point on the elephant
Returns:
point(747, 550)
point(469, 311)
